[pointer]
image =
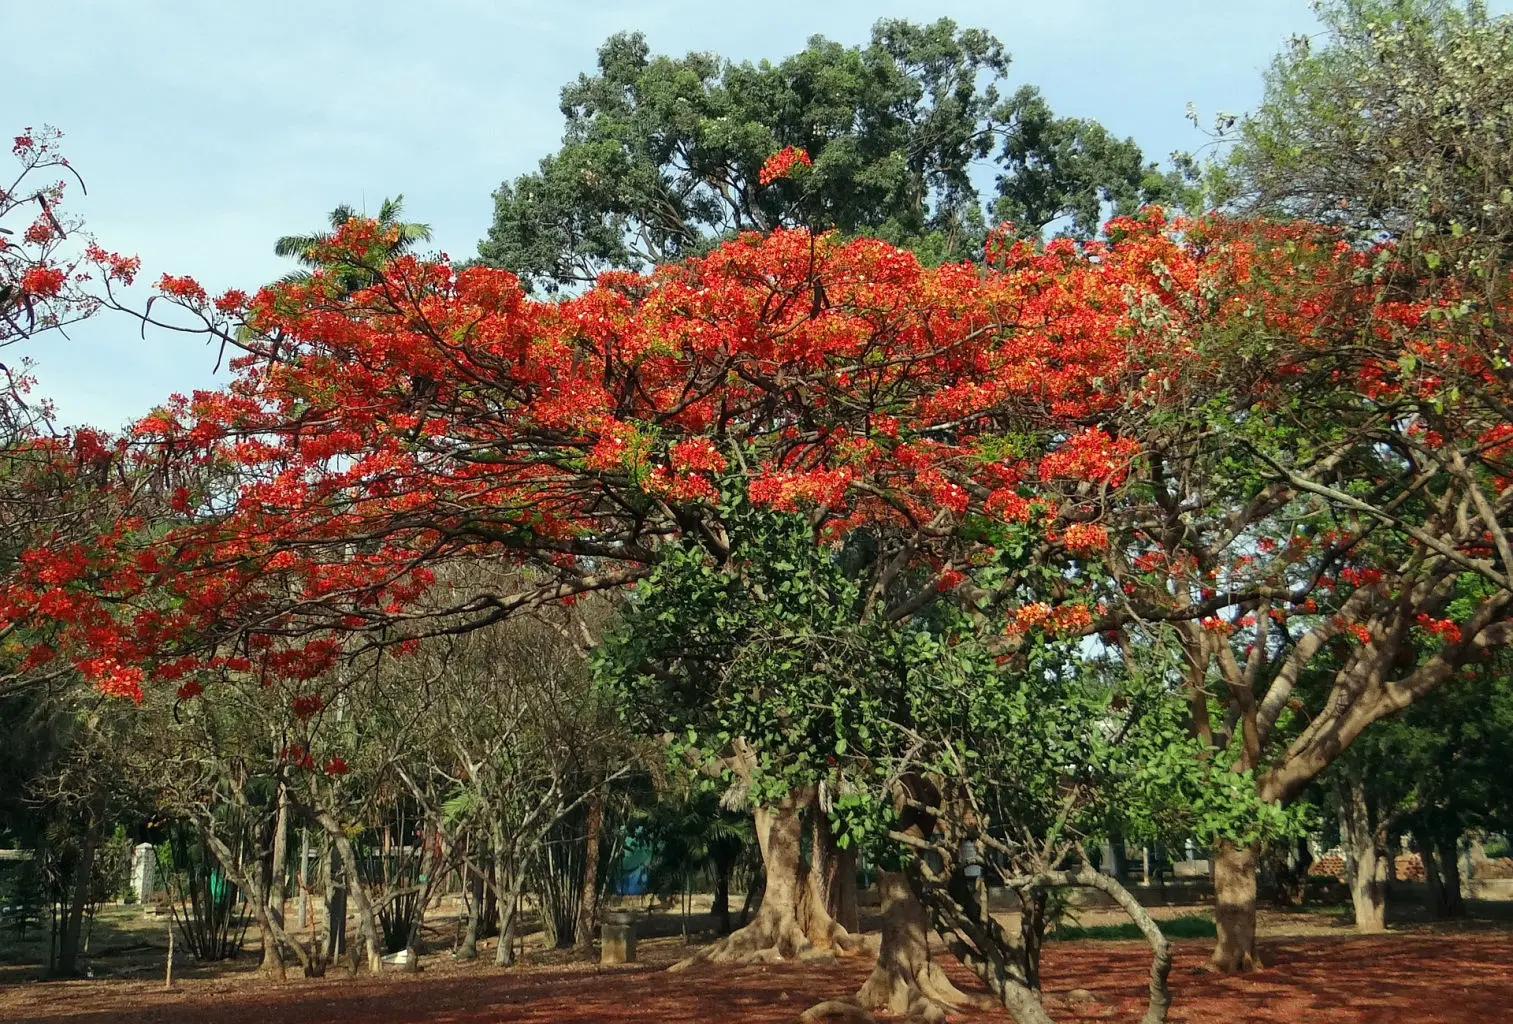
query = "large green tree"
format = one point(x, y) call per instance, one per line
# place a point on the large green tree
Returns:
point(662, 155)
point(908, 729)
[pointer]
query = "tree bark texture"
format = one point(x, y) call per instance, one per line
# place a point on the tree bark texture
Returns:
point(1234, 907)
point(588, 896)
point(1365, 856)
point(907, 982)
point(792, 920)
point(835, 874)
point(278, 866)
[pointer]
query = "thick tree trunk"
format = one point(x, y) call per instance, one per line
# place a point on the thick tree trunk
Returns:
point(835, 874)
point(906, 981)
point(72, 930)
point(278, 865)
point(588, 896)
point(1234, 907)
point(1449, 867)
point(1365, 860)
point(792, 921)
point(1366, 873)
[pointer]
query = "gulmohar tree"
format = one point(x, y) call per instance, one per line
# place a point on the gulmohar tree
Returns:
point(450, 412)
point(1130, 404)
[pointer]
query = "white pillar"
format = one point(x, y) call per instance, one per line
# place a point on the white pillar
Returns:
point(144, 861)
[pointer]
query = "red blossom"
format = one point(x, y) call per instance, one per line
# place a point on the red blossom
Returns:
point(43, 282)
point(782, 163)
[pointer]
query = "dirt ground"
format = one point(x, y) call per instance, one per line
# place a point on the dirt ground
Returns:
point(1418, 975)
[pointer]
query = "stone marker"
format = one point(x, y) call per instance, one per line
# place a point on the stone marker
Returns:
point(617, 943)
point(144, 861)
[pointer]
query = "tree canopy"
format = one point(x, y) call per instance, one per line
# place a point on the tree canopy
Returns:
point(661, 157)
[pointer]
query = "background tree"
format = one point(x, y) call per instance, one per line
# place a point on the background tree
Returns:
point(1396, 125)
point(1434, 771)
point(397, 236)
point(662, 157)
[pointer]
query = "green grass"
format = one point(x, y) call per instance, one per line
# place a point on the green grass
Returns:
point(1188, 926)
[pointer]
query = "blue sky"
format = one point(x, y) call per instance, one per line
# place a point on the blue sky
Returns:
point(205, 129)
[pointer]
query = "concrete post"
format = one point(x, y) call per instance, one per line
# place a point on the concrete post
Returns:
point(144, 861)
point(617, 942)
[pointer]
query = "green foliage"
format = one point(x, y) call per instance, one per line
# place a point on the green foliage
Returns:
point(1439, 767)
point(776, 646)
point(406, 235)
point(23, 893)
point(661, 155)
point(1398, 123)
point(1187, 926)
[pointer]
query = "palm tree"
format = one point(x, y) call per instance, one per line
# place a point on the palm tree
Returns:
point(299, 247)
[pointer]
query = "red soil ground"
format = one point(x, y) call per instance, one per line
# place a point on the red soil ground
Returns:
point(1422, 978)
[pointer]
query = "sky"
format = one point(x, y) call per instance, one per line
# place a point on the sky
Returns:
point(204, 130)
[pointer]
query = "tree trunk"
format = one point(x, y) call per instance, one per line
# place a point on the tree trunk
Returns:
point(489, 926)
point(510, 885)
point(278, 865)
point(753, 897)
point(432, 857)
point(367, 924)
point(1449, 866)
point(469, 948)
point(1365, 862)
point(906, 982)
point(792, 921)
point(304, 878)
point(1032, 923)
point(1438, 903)
point(72, 930)
point(588, 896)
point(720, 906)
point(835, 874)
point(510, 872)
point(251, 885)
point(1234, 907)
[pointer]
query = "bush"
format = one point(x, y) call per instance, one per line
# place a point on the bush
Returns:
point(1188, 926)
point(23, 895)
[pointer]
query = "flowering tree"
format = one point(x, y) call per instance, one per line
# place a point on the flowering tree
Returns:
point(1121, 416)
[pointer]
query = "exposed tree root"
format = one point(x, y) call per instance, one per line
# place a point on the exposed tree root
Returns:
point(906, 981)
point(836, 1011)
point(792, 922)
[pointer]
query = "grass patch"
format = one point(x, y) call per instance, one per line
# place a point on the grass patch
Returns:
point(1188, 926)
point(1322, 909)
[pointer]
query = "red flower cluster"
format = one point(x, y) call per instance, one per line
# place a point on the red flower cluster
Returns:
point(782, 163)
